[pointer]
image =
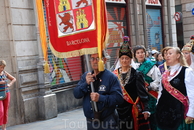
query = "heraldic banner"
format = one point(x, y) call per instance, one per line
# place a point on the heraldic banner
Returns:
point(76, 27)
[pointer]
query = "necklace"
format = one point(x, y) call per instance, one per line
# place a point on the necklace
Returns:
point(124, 81)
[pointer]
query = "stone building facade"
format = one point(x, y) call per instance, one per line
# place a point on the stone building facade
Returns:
point(185, 26)
point(34, 97)
point(139, 30)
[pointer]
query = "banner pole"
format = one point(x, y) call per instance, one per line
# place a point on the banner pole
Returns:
point(92, 85)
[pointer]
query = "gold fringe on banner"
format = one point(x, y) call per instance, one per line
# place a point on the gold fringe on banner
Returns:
point(99, 35)
point(106, 35)
point(73, 53)
point(42, 30)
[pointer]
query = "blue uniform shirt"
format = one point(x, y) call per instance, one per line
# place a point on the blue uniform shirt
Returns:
point(109, 89)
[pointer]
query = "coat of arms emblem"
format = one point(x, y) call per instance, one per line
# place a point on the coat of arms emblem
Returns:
point(74, 16)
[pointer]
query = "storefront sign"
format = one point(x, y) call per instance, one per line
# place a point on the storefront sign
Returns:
point(115, 1)
point(153, 2)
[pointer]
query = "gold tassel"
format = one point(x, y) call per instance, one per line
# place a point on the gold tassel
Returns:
point(46, 67)
point(100, 65)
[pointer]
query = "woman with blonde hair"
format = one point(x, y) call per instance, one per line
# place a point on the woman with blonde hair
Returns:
point(4, 86)
point(175, 104)
point(189, 56)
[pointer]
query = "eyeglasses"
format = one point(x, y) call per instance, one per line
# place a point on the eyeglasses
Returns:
point(93, 59)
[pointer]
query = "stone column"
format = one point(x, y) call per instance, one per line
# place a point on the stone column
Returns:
point(47, 101)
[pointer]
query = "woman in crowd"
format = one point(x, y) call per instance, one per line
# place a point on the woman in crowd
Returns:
point(175, 107)
point(153, 58)
point(4, 86)
point(159, 59)
point(152, 79)
point(163, 67)
point(189, 56)
point(134, 111)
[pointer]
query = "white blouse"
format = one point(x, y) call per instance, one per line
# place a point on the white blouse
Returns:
point(192, 60)
point(155, 74)
point(189, 77)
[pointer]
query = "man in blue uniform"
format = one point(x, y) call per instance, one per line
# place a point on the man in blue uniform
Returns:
point(107, 95)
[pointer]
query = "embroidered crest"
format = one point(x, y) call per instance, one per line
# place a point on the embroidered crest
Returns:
point(74, 16)
point(102, 88)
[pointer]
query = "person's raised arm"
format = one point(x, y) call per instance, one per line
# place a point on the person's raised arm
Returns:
point(11, 78)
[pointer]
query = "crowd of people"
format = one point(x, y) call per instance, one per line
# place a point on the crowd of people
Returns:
point(142, 93)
